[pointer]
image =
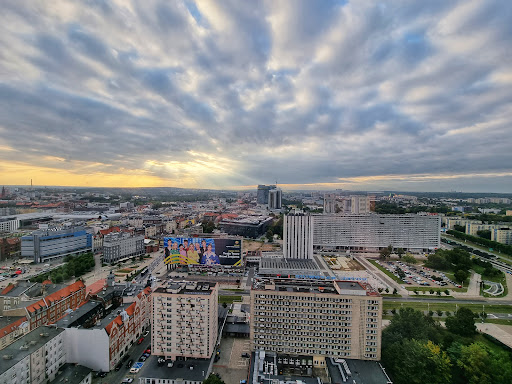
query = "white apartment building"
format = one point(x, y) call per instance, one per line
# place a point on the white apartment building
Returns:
point(317, 318)
point(9, 224)
point(184, 320)
point(35, 358)
point(374, 231)
point(298, 236)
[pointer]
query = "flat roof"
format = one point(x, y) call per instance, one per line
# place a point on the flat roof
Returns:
point(69, 320)
point(283, 264)
point(151, 370)
point(362, 371)
point(336, 287)
point(71, 373)
point(111, 316)
point(26, 345)
point(187, 287)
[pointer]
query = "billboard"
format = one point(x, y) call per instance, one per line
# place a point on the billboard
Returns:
point(204, 251)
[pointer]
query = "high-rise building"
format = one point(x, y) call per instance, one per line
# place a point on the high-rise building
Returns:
point(298, 236)
point(184, 320)
point(329, 203)
point(262, 194)
point(316, 318)
point(43, 245)
point(374, 231)
point(274, 198)
point(361, 204)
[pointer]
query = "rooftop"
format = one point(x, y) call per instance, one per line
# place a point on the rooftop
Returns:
point(187, 287)
point(71, 373)
point(283, 264)
point(26, 345)
point(180, 369)
point(112, 316)
point(314, 286)
point(362, 371)
point(73, 316)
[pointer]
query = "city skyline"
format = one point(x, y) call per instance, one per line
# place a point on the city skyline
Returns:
point(407, 96)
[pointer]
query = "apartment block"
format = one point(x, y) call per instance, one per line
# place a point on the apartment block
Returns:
point(503, 235)
point(34, 358)
point(121, 246)
point(316, 318)
point(374, 231)
point(361, 204)
point(184, 320)
point(473, 228)
point(329, 203)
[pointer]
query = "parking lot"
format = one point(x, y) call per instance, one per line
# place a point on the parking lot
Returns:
point(418, 276)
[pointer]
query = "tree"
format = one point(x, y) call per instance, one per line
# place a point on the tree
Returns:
point(459, 228)
point(431, 291)
point(400, 252)
point(387, 290)
point(269, 235)
point(485, 234)
point(409, 259)
point(395, 291)
point(416, 291)
point(463, 323)
point(447, 292)
point(461, 275)
point(386, 252)
point(439, 313)
point(438, 292)
point(213, 379)
point(380, 289)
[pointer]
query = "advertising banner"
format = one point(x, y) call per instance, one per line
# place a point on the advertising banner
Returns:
point(204, 251)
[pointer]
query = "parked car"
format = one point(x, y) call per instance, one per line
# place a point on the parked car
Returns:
point(127, 380)
point(129, 364)
point(134, 370)
point(140, 340)
point(146, 333)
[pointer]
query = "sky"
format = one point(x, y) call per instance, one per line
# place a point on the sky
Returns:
point(359, 95)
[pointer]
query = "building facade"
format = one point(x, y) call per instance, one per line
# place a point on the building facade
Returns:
point(52, 307)
point(184, 320)
point(262, 194)
point(275, 199)
point(361, 204)
point(316, 318)
point(121, 246)
point(35, 358)
point(374, 231)
point(298, 236)
point(9, 224)
point(329, 203)
point(9, 247)
point(44, 245)
point(503, 235)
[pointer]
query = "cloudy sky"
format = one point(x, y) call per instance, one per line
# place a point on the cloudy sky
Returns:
point(404, 95)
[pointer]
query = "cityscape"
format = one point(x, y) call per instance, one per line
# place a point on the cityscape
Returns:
point(264, 192)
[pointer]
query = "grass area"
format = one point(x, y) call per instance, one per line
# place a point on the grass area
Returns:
point(497, 279)
point(390, 295)
point(424, 306)
point(499, 321)
point(228, 299)
point(397, 279)
point(125, 270)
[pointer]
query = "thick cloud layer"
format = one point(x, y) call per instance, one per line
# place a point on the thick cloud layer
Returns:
point(333, 94)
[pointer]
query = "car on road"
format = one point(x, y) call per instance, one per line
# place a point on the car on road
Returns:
point(134, 370)
point(246, 355)
point(129, 364)
point(142, 358)
point(148, 351)
point(140, 340)
point(127, 380)
point(146, 333)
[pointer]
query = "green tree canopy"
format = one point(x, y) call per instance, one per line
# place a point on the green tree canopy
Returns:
point(462, 323)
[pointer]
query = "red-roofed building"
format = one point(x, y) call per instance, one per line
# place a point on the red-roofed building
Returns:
point(96, 287)
point(11, 332)
point(128, 327)
point(52, 307)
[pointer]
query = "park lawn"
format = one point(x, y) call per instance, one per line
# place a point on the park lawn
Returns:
point(397, 279)
point(497, 279)
point(425, 306)
point(228, 299)
point(127, 270)
point(390, 295)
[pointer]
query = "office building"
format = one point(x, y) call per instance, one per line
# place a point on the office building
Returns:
point(263, 193)
point(34, 358)
point(502, 235)
point(121, 246)
point(246, 226)
point(298, 236)
point(322, 319)
point(45, 245)
point(275, 199)
point(373, 232)
point(329, 203)
point(184, 320)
